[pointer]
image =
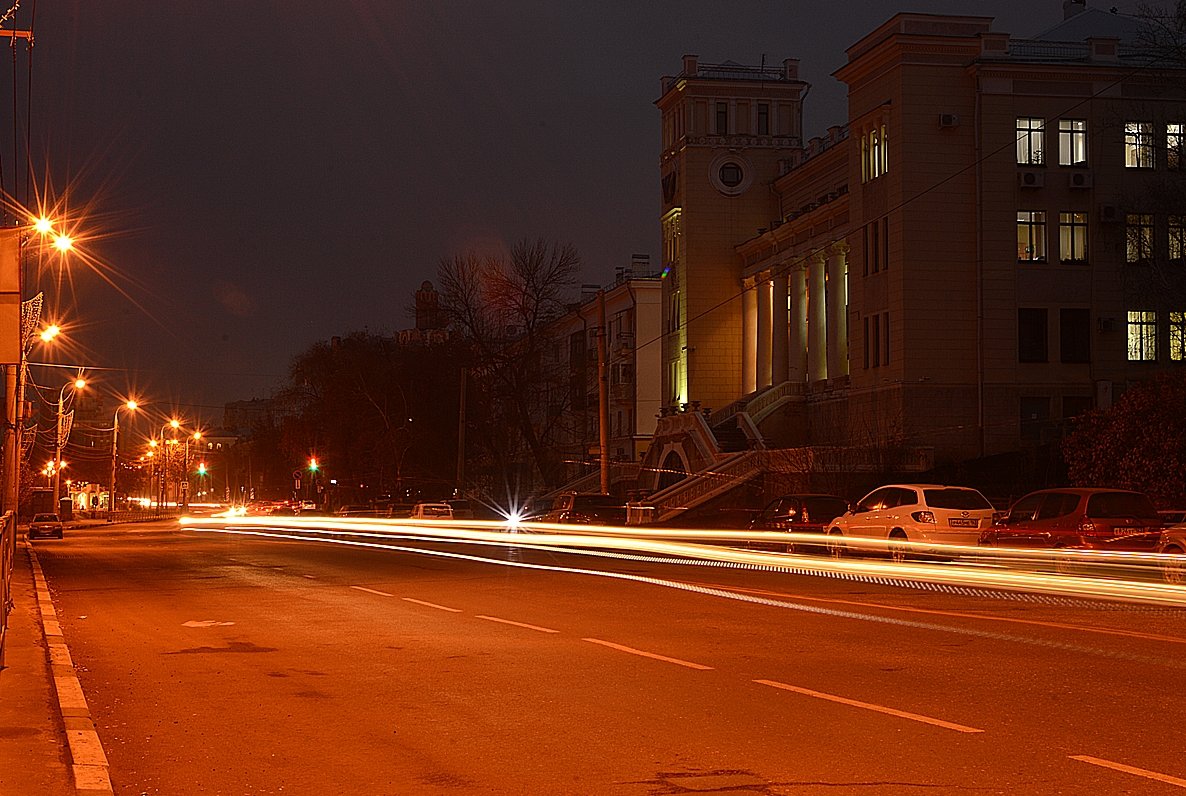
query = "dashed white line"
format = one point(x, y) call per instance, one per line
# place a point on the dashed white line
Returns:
point(1139, 772)
point(869, 706)
point(432, 605)
point(652, 655)
point(372, 591)
point(517, 624)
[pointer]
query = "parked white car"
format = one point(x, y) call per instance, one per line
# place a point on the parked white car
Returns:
point(916, 518)
point(432, 511)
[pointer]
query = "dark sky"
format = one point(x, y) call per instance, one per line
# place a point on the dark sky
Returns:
point(258, 175)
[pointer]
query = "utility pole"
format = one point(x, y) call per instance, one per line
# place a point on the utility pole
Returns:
point(603, 392)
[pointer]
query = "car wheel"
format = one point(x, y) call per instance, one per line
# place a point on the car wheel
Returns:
point(1062, 563)
point(899, 551)
point(1173, 571)
point(834, 543)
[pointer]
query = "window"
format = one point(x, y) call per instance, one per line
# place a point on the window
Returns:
point(875, 266)
point(763, 118)
point(1074, 333)
point(730, 175)
point(1031, 236)
point(885, 244)
point(722, 127)
point(1029, 141)
point(1138, 235)
point(884, 149)
point(1031, 335)
point(1075, 405)
point(1178, 336)
point(885, 338)
point(875, 351)
point(1138, 145)
point(1175, 145)
point(1177, 236)
point(877, 340)
point(865, 177)
point(1142, 336)
point(1072, 237)
point(1072, 142)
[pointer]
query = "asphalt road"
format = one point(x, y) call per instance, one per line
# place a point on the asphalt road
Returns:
point(228, 664)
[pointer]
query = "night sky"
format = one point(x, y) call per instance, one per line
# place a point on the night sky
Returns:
point(255, 176)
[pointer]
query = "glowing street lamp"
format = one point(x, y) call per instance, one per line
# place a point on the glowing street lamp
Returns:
point(78, 384)
point(131, 406)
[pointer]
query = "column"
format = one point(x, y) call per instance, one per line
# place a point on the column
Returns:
point(749, 337)
point(837, 289)
point(779, 346)
point(817, 320)
point(764, 331)
point(797, 361)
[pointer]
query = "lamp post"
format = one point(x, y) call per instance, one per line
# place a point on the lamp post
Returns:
point(131, 407)
point(77, 384)
point(196, 437)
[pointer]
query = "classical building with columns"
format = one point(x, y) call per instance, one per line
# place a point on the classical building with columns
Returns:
point(971, 258)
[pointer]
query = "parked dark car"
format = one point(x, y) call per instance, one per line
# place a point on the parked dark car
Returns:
point(1080, 518)
point(809, 513)
point(47, 525)
point(587, 508)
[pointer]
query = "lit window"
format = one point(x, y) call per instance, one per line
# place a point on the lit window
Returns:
point(1072, 237)
point(1177, 236)
point(1029, 141)
point(1031, 236)
point(1177, 336)
point(1138, 145)
point(875, 153)
point(865, 159)
point(884, 149)
point(1072, 142)
point(1175, 145)
point(1138, 237)
point(1142, 336)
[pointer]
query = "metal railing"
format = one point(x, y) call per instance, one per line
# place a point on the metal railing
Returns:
point(7, 554)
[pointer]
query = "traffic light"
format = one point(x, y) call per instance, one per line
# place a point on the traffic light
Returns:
point(201, 468)
point(313, 466)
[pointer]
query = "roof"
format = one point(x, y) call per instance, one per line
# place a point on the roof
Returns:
point(1094, 23)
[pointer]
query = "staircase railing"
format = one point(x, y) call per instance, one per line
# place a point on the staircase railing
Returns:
point(726, 474)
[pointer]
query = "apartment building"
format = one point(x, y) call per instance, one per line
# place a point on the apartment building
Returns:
point(992, 241)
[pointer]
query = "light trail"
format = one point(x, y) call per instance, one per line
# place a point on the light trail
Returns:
point(1168, 662)
point(984, 568)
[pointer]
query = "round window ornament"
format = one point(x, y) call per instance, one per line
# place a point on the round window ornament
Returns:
point(730, 174)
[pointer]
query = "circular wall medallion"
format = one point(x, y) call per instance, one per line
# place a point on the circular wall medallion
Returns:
point(730, 174)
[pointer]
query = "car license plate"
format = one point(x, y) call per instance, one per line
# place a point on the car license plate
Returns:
point(963, 522)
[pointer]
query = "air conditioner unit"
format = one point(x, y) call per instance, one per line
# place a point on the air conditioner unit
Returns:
point(1109, 214)
point(1031, 178)
point(1079, 179)
point(949, 120)
point(1106, 324)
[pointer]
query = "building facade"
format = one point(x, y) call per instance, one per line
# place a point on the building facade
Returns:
point(991, 243)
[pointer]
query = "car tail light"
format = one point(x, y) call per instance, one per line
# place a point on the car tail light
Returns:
point(927, 517)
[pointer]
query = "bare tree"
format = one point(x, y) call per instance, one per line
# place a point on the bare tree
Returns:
point(501, 306)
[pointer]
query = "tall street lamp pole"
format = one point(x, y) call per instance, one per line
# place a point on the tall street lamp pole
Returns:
point(131, 407)
point(196, 436)
point(59, 440)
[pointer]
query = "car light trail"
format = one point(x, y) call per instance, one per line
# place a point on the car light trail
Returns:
point(984, 567)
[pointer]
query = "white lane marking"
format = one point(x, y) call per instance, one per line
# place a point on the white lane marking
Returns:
point(432, 605)
point(517, 624)
point(868, 706)
point(206, 623)
point(1139, 772)
point(653, 655)
point(372, 591)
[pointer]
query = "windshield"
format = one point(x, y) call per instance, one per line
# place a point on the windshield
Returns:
point(597, 502)
point(956, 498)
point(823, 509)
point(46, 518)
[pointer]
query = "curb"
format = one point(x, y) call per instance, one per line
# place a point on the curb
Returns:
point(89, 762)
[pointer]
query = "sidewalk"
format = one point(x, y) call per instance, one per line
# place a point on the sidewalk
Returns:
point(34, 757)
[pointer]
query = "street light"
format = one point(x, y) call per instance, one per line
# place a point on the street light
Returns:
point(131, 406)
point(77, 384)
point(196, 437)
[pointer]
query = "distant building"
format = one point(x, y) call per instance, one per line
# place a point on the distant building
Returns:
point(984, 248)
